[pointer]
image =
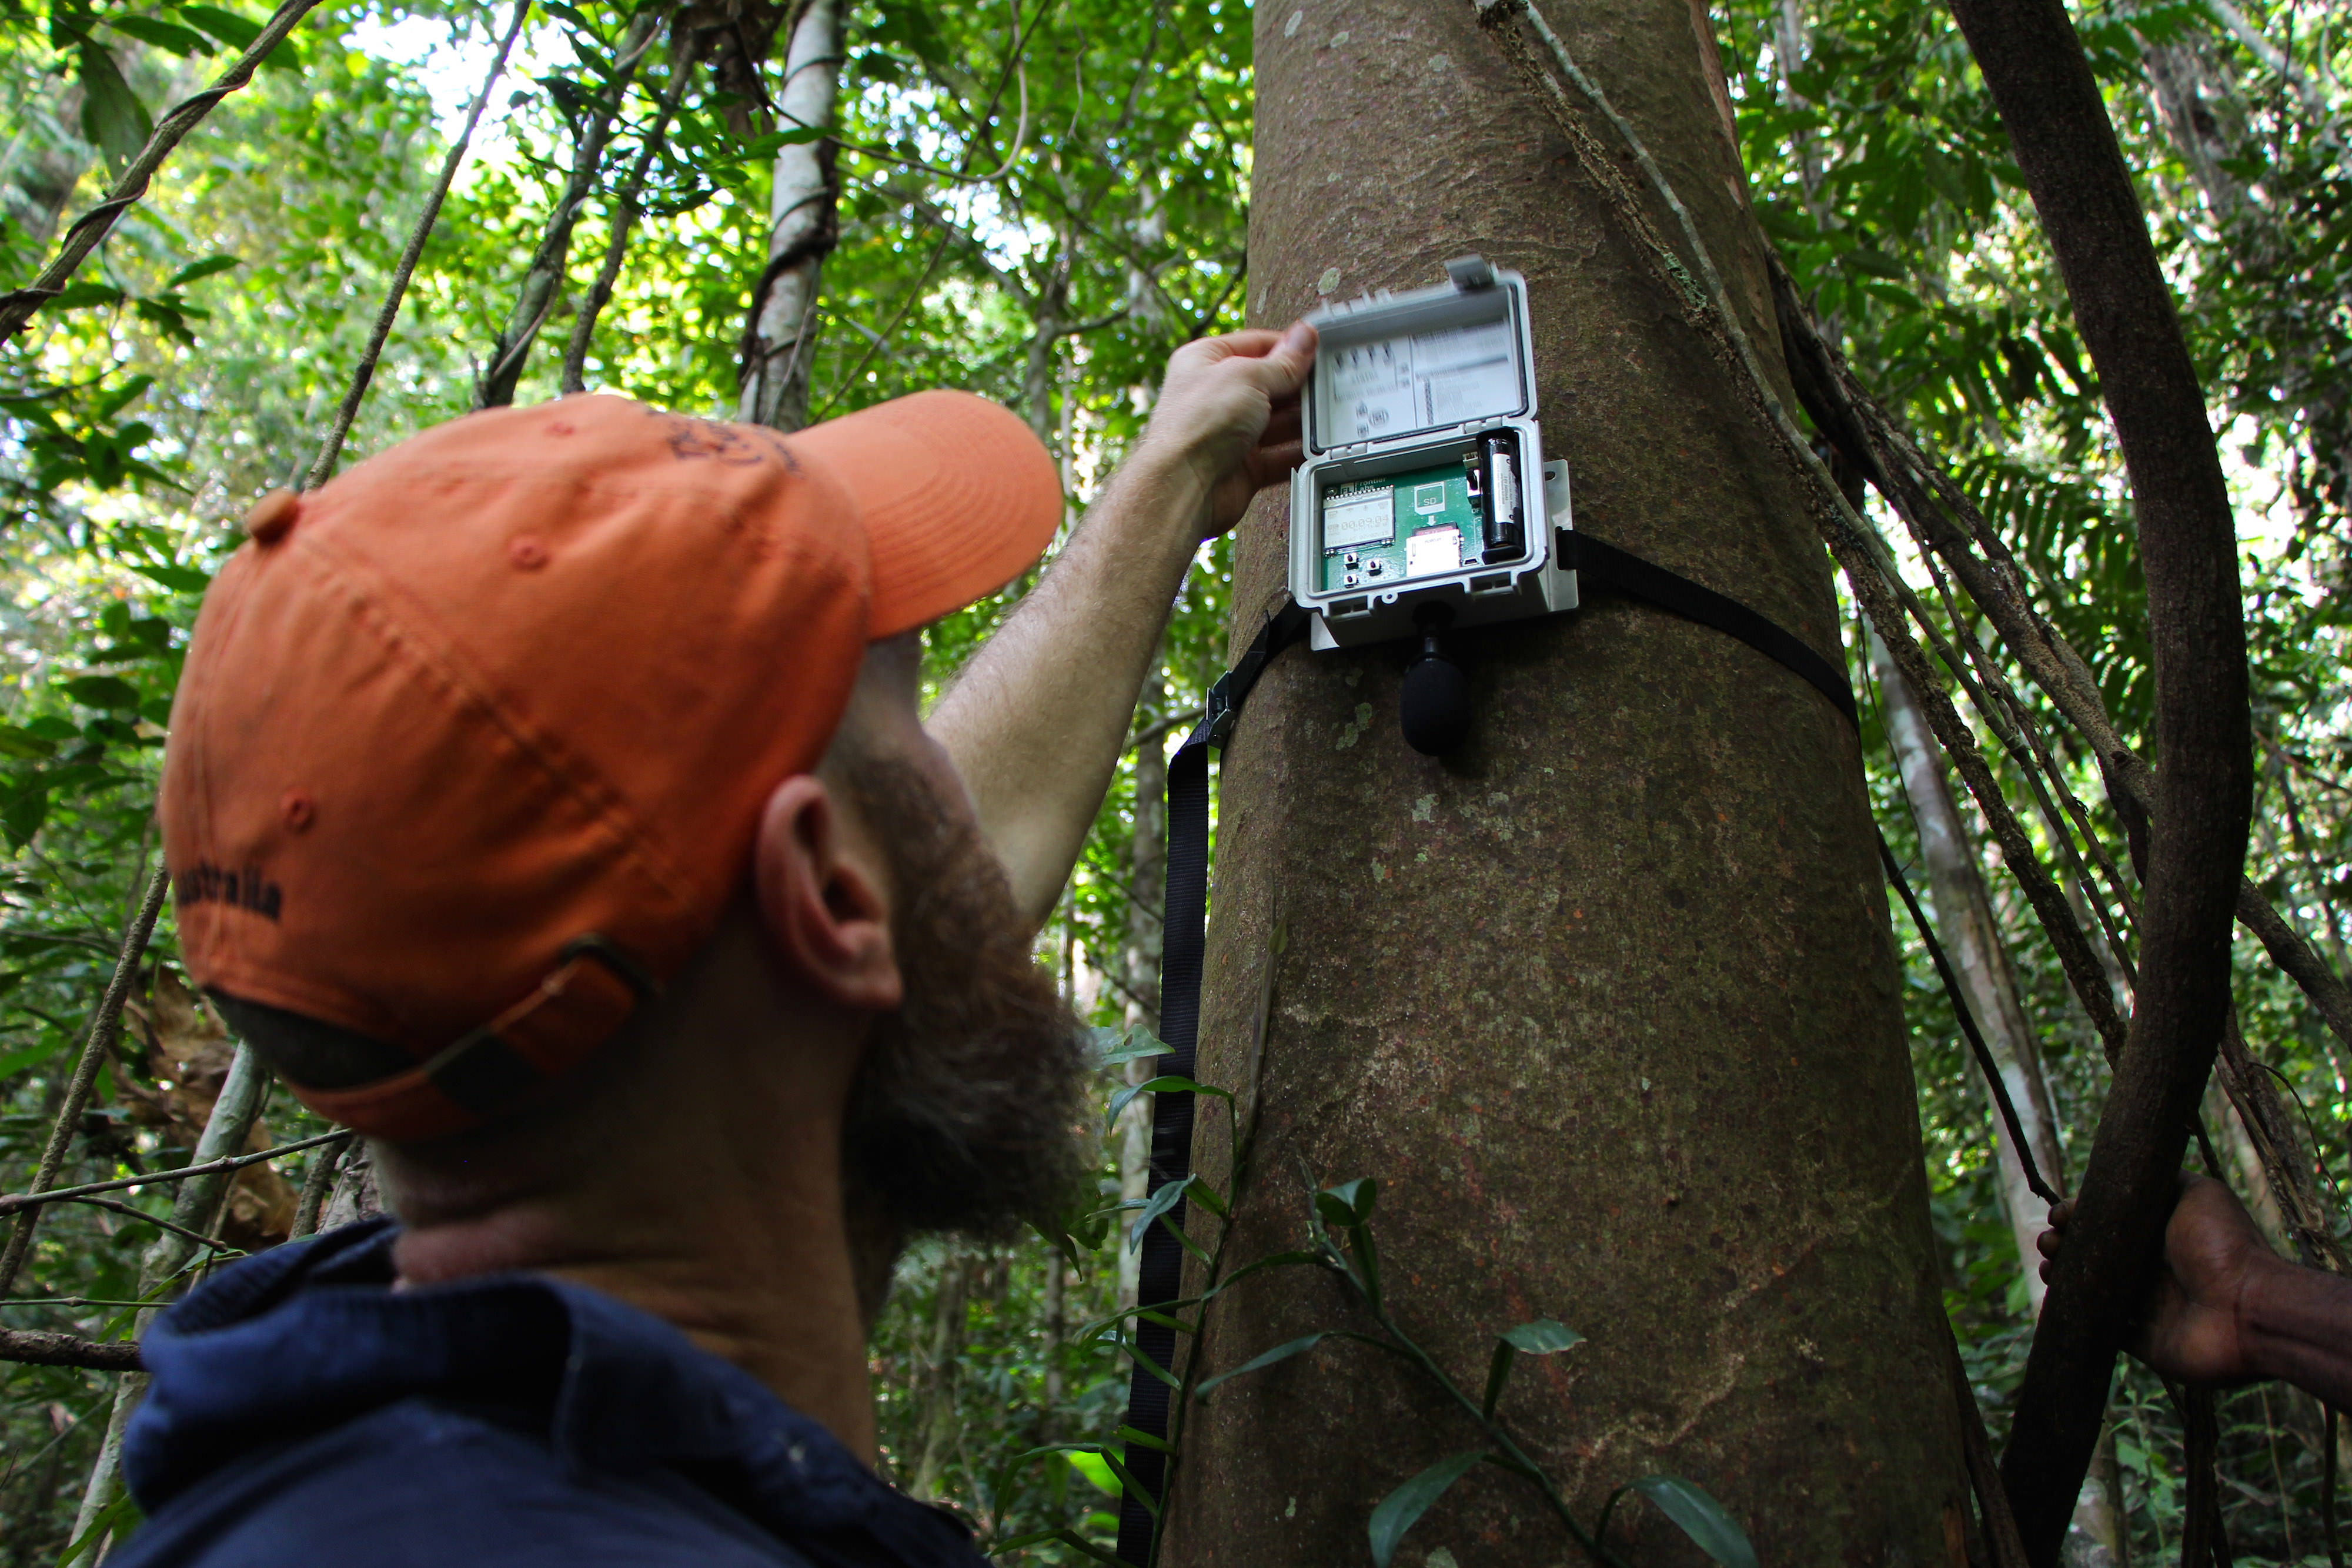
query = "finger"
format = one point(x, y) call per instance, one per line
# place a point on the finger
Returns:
point(1249, 343)
point(2061, 1215)
point(1272, 465)
point(2047, 1243)
point(1281, 368)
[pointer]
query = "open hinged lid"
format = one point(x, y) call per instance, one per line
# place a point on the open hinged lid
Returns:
point(1394, 367)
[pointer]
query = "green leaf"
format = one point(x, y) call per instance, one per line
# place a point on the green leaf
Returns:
point(22, 817)
point(80, 296)
point(179, 40)
point(1277, 1260)
point(178, 578)
point(15, 1062)
point(775, 142)
point(1542, 1337)
point(1349, 1204)
point(1134, 1437)
point(1170, 1083)
point(1064, 1535)
point(226, 26)
point(1169, 1195)
point(1699, 1516)
point(1402, 1506)
point(1140, 1043)
point(122, 1511)
point(112, 118)
point(112, 693)
point(204, 268)
point(1072, 1232)
point(1279, 1353)
point(1545, 1336)
point(113, 403)
point(1098, 1473)
point(15, 742)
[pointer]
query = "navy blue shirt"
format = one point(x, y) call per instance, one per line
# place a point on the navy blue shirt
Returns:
point(303, 1413)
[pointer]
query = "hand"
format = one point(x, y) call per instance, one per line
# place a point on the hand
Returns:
point(2192, 1327)
point(1229, 411)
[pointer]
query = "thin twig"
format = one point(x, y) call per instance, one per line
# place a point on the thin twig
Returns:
point(626, 210)
point(389, 312)
point(198, 1237)
point(315, 1182)
point(37, 1347)
point(92, 227)
point(13, 1203)
point(102, 1031)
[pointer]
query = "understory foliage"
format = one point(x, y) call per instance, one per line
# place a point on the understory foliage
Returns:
point(1038, 201)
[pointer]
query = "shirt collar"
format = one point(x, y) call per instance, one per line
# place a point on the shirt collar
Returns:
point(311, 1334)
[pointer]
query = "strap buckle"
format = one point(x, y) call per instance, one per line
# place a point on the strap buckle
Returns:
point(1219, 714)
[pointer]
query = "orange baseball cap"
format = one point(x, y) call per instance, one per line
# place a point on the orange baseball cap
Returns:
point(471, 743)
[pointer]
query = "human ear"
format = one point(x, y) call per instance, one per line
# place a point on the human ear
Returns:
point(822, 898)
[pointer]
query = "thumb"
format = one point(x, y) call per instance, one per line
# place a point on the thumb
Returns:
point(1282, 369)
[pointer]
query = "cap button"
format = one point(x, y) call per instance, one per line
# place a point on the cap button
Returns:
point(273, 515)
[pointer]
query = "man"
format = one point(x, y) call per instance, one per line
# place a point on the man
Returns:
point(547, 799)
point(2227, 1310)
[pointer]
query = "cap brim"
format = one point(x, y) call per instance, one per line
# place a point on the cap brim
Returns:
point(958, 498)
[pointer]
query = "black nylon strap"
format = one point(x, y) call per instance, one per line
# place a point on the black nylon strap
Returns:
point(1183, 924)
point(1599, 565)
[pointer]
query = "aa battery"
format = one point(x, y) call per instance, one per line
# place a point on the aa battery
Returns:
point(1499, 498)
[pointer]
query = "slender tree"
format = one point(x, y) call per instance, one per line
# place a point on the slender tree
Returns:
point(1606, 999)
point(1964, 912)
point(778, 344)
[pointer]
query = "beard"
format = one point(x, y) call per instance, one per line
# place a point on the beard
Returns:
point(963, 1112)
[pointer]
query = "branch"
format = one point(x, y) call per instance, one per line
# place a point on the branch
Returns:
point(198, 1237)
point(15, 1203)
point(92, 227)
point(2294, 955)
point(2042, 82)
point(35, 1347)
point(542, 280)
point(102, 1031)
point(389, 312)
point(625, 218)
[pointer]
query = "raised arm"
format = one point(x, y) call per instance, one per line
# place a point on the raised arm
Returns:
point(1036, 722)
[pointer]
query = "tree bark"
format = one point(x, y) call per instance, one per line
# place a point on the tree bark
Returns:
point(1607, 1001)
point(780, 342)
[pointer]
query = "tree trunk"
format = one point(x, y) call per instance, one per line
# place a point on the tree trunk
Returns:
point(1606, 999)
point(1964, 922)
point(1147, 869)
point(938, 1423)
point(779, 342)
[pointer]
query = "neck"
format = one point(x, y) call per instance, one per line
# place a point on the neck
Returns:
point(760, 1277)
point(693, 1171)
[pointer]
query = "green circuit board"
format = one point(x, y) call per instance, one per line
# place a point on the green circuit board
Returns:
point(1393, 529)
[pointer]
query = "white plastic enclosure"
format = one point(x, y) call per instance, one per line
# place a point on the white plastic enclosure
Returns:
point(1420, 436)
